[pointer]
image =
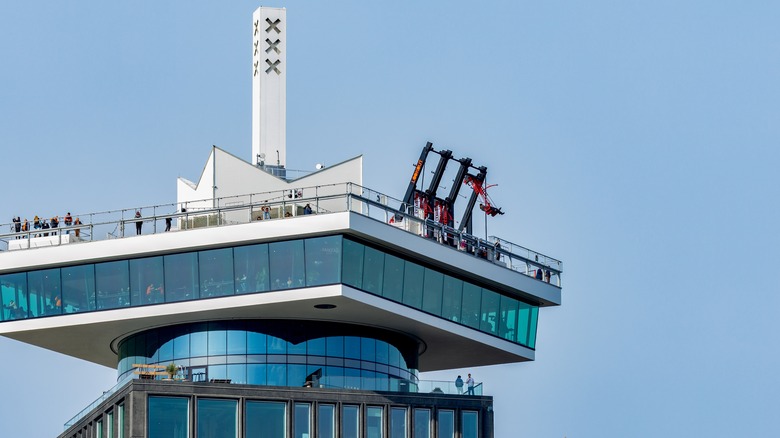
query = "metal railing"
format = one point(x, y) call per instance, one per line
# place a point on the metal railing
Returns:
point(280, 204)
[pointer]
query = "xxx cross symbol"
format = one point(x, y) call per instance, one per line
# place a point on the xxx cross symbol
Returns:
point(256, 43)
point(272, 66)
point(271, 46)
point(256, 64)
point(257, 23)
point(273, 25)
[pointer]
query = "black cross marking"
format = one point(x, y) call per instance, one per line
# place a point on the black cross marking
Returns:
point(272, 66)
point(256, 43)
point(273, 25)
point(257, 23)
point(256, 65)
point(271, 46)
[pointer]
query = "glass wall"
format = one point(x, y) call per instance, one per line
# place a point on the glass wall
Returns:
point(326, 421)
point(374, 423)
point(168, 417)
point(266, 267)
point(350, 421)
point(266, 419)
point(422, 423)
point(398, 424)
point(302, 421)
point(249, 352)
point(446, 423)
point(217, 418)
point(470, 424)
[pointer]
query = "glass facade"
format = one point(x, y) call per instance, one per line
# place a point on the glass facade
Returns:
point(446, 424)
point(217, 418)
point(350, 421)
point(266, 267)
point(470, 424)
point(398, 423)
point(266, 419)
point(168, 417)
point(422, 423)
point(253, 352)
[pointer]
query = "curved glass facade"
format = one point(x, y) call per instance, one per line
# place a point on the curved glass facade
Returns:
point(266, 267)
point(277, 353)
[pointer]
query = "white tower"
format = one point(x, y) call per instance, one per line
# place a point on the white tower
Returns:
point(269, 86)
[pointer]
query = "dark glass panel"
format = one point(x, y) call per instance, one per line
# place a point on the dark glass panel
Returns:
point(78, 288)
point(350, 421)
point(352, 265)
point(181, 277)
point(472, 298)
point(323, 260)
point(489, 311)
point(146, 281)
point(373, 270)
point(302, 421)
point(14, 293)
point(216, 272)
point(256, 343)
point(251, 268)
point(532, 327)
point(432, 292)
point(413, 285)
point(286, 264)
point(217, 418)
point(374, 422)
point(326, 421)
point(523, 320)
point(507, 326)
point(446, 422)
point(352, 347)
point(368, 349)
point(112, 282)
point(398, 424)
point(422, 423)
point(382, 352)
point(335, 346)
point(46, 288)
point(266, 419)
point(315, 347)
point(452, 291)
point(168, 417)
point(277, 374)
point(393, 278)
point(470, 424)
point(217, 339)
point(236, 342)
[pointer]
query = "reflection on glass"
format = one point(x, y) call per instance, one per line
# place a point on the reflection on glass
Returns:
point(422, 423)
point(373, 266)
point(352, 265)
point(45, 292)
point(266, 419)
point(472, 298)
point(413, 285)
point(14, 294)
point(112, 281)
point(181, 277)
point(286, 261)
point(394, 278)
point(432, 292)
point(217, 418)
point(323, 260)
point(168, 417)
point(489, 312)
point(398, 423)
point(508, 319)
point(302, 421)
point(446, 424)
point(326, 421)
point(350, 421)
point(78, 288)
point(251, 268)
point(216, 272)
point(452, 289)
point(470, 424)
point(374, 422)
point(146, 281)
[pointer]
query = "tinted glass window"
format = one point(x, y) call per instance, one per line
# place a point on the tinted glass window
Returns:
point(46, 291)
point(374, 422)
point(413, 285)
point(251, 269)
point(302, 421)
point(78, 288)
point(432, 292)
point(472, 298)
point(181, 277)
point(323, 260)
point(216, 272)
point(112, 281)
point(489, 312)
point(350, 421)
point(286, 260)
point(470, 424)
point(217, 418)
point(422, 423)
point(352, 265)
point(393, 278)
point(446, 424)
point(326, 421)
point(266, 419)
point(507, 327)
point(452, 291)
point(397, 423)
point(168, 417)
point(373, 266)
point(14, 293)
point(146, 281)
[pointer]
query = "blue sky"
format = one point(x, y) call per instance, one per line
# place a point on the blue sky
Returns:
point(636, 141)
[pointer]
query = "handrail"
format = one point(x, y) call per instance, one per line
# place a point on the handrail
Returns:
point(323, 199)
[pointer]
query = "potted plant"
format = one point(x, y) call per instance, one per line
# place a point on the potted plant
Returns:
point(171, 369)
